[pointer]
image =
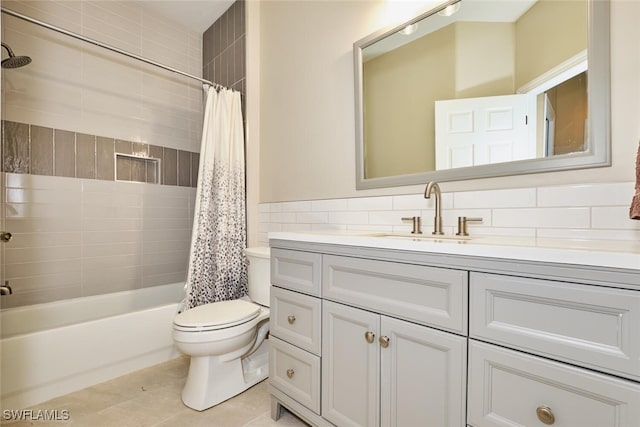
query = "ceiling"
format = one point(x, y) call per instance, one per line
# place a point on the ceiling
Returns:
point(195, 14)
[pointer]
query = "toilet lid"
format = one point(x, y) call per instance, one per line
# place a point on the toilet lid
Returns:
point(217, 315)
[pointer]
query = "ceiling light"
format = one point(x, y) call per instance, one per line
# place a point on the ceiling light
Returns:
point(450, 10)
point(409, 29)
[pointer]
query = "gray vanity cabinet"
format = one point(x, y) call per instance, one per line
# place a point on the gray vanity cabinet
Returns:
point(378, 370)
point(386, 337)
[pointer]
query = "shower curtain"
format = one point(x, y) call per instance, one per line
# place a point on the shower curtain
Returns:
point(217, 269)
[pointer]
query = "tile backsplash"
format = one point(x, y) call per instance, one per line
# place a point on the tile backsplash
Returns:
point(589, 211)
point(38, 150)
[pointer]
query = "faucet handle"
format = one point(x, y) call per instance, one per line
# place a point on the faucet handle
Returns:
point(462, 225)
point(416, 222)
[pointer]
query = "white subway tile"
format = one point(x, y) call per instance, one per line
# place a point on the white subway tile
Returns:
point(114, 224)
point(329, 205)
point(409, 202)
point(154, 224)
point(390, 217)
point(542, 217)
point(450, 217)
point(511, 198)
point(275, 207)
point(304, 206)
point(283, 217)
point(115, 247)
point(613, 218)
point(38, 225)
point(49, 196)
point(15, 180)
point(495, 231)
point(606, 194)
point(47, 281)
point(264, 207)
point(111, 261)
point(296, 227)
point(312, 218)
point(370, 203)
point(38, 268)
point(590, 234)
point(162, 279)
point(328, 227)
point(349, 218)
point(41, 210)
point(42, 254)
point(45, 239)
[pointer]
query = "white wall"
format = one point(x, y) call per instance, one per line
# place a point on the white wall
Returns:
point(306, 132)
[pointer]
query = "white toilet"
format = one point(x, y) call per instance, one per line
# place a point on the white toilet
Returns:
point(226, 340)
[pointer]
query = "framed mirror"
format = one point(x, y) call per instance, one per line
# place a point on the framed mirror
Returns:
point(484, 88)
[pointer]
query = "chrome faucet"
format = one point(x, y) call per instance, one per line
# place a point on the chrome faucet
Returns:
point(437, 220)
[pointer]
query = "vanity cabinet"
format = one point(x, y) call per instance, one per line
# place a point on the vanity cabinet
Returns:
point(407, 338)
point(378, 370)
point(586, 326)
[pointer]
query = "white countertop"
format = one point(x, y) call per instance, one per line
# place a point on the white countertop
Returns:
point(601, 253)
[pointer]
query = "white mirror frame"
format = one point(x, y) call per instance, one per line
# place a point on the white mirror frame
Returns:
point(599, 111)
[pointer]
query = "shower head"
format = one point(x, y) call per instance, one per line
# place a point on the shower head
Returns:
point(14, 61)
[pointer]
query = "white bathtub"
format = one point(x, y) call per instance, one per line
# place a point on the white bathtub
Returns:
point(47, 350)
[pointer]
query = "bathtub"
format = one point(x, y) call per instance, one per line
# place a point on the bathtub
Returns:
point(48, 350)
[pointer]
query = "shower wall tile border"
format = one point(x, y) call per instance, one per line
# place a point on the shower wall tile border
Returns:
point(36, 150)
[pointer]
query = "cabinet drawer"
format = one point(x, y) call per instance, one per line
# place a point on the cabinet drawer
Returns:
point(295, 270)
point(508, 388)
point(296, 319)
point(591, 326)
point(295, 372)
point(427, 295)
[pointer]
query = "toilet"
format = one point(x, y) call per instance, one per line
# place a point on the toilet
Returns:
point(226, 340)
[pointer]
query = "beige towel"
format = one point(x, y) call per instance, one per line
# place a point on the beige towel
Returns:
point(634, 211)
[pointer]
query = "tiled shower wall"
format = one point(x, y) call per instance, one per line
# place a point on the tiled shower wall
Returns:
point(590, 211)
point(223, 50)
point(77, 237)
point(55, 152)
point(78, 231)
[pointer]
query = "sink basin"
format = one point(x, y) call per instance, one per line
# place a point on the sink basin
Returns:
point(425, 237)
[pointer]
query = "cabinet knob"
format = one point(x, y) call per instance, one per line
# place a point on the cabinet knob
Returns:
point(290, 373)
point(369, 336)
point(384, 341)
point(291, 319)
point(545, 415)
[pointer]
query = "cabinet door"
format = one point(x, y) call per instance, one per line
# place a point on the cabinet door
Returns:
point(512, 389)
point(423, 379)
point(350, 365)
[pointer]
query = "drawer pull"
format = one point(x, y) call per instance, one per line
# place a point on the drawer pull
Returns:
point(290, 373)
point(545, 414)
point(291, 319)
point(384, 341)
point(369, 336)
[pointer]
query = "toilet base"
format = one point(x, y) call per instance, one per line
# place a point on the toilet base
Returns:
point(211, 381)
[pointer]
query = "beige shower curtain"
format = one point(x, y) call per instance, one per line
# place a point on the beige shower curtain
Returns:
point(217, 264)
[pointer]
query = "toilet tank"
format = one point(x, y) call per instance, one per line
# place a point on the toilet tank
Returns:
point(259, 274)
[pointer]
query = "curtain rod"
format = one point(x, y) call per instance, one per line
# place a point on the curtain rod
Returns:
point(217, 86)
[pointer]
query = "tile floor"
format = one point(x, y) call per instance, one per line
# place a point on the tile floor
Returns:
point(151, 398)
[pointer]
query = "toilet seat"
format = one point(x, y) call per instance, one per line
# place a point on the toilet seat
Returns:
point(217, 315)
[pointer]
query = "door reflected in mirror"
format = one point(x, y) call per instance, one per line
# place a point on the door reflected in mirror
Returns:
point(494, 82)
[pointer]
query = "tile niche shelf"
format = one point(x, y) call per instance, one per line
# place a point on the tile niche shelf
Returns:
point(129, 167)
